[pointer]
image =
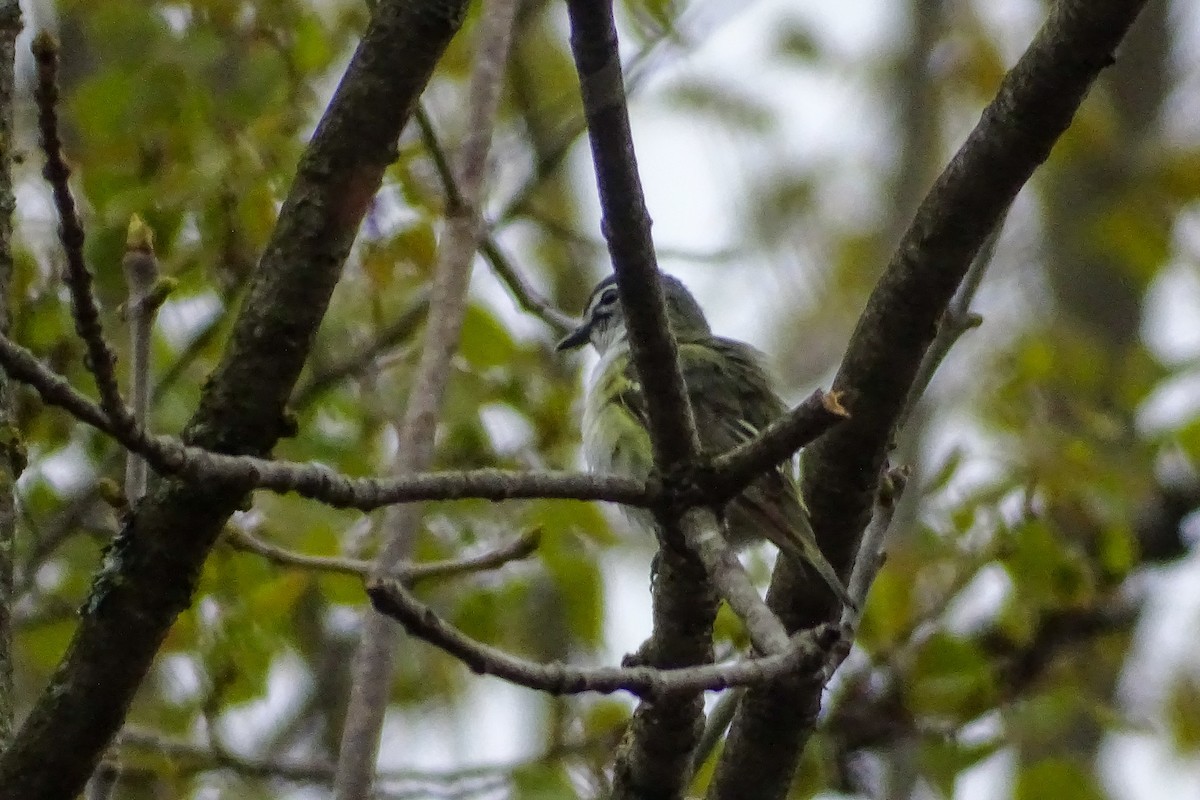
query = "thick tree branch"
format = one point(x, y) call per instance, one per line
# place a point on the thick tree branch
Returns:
point(151, 570)
point(1034, 105)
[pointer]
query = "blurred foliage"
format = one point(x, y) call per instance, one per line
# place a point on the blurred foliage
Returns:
point(1054, 459)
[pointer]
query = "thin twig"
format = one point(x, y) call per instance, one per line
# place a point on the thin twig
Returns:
point(527, 297)
point(649, 683)
point(408, 573)
point(140, 265)
point(523, 292)
point(731, 472)
point(188, 757)
point(957, 320)
point(100, 359)
point(871, 549)
point(869, 560)
point(399, 330)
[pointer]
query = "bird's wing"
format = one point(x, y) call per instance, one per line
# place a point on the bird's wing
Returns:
point(724, 419)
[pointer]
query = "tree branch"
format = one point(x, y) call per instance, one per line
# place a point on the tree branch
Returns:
point(399, 330)
point(373, 663)
point(522, 292)
point(702, 532)
point(151, 570)
point(171, 456)
point(100, 360)
point(408, 573)
point(1034, 105)
point(802, 653)
point(146, 293)
point(655, 756)
point(732, 472)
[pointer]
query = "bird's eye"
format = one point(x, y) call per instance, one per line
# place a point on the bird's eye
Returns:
point(608, 298)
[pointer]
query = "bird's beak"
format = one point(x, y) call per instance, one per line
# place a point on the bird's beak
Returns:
point(576, 338)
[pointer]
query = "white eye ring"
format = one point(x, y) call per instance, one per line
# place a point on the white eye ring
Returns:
point(608, 297)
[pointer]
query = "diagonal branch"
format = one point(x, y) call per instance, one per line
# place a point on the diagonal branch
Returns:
point(731, 472)
point(374, 658)
point(399, 330)
point(1034, 105)
point(803, 653)
point(100, 359)
point(151, 569)
point(525, 295)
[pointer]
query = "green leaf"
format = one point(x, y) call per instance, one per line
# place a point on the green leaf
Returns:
point(486, 343)
point(1055, 777)
point(1183, 715)
point(950, 678)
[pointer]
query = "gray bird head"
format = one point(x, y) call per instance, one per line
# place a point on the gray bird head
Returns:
point(603, 322)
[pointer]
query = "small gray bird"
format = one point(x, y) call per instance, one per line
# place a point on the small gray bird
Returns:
point(732, 400)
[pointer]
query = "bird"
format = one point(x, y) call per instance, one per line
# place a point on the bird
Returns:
point(732, 400)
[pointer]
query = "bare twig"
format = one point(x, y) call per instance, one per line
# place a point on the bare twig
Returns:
point(778, 442)
point(391, 598)
point(100, 359)
point(523, 292)
point(372, 669)
point(871, 548)
point(407, 573)
point(104, 780)
point(527, 297)
point(957, 320)
point(145, 297)
point(189, 757)
point(399, 330)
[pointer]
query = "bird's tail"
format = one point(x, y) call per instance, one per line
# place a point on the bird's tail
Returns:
point(809, 555)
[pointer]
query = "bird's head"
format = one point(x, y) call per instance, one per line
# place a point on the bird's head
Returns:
point(603, 322)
